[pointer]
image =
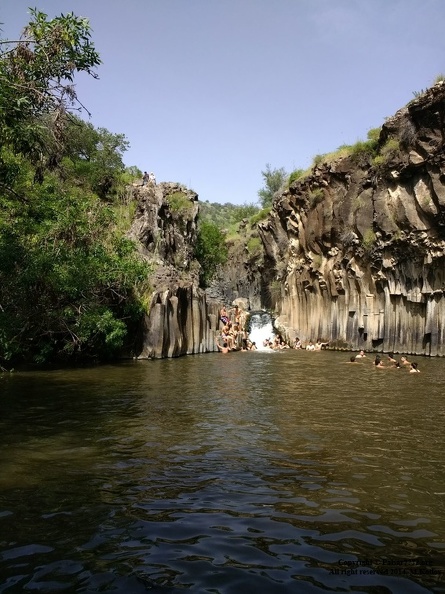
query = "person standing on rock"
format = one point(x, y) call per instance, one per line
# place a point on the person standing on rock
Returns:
point(224, 316)
point(145, 178)
point(151, 178)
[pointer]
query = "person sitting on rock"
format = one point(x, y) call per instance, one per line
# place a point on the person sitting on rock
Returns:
point(227, 336)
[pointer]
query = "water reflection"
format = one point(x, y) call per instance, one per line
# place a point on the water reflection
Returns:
point(256, 471)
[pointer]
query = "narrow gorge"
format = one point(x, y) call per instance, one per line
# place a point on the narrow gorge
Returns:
point(352, 252)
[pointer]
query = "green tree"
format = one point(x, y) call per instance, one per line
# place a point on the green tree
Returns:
point(71, 282)
point(224, 215)
point(36, 84)
point(274, 179)
point(210, 251)
point(93, 156)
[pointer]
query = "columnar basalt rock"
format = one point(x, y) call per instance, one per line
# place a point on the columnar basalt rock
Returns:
point(180, 321)
point(180, 318)
point(357, 248)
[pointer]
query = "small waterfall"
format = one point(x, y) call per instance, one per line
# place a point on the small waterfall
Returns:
point(260, 327)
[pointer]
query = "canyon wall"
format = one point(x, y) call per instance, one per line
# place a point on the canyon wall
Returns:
point(354, 252)
point(181, 319)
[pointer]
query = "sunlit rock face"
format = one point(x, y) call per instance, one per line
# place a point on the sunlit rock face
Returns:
point(180, 318)
point(356, 249)
point(165, 227)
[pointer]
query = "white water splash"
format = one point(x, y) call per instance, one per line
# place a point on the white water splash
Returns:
point(261, 327)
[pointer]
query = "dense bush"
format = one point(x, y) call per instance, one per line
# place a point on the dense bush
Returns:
point(210, 251)
point(71, 283)
point(296, 174)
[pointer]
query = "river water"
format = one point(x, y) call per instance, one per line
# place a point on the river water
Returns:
point(257, 472)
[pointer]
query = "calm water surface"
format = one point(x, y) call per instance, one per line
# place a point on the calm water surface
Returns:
point(249, 472)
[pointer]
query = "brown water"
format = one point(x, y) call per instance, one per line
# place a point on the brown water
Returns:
point(249, 472)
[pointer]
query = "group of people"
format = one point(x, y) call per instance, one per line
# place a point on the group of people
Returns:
point(148, 178)
point(391, 362)
point(317, 346)
point(277, 344)
point(233, 335)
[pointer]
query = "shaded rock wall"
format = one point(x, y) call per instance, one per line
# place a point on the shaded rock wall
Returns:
point(181, 321)
point(357, 249)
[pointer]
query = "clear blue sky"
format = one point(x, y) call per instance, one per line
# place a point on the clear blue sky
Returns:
point(209, 91)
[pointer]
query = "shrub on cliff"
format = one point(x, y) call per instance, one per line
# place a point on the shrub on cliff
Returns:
point(180, 204)
point(295, 175)
point(274, 179)
point(390, 149)
point(210, 251)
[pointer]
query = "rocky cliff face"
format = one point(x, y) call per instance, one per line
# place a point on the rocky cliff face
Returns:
point(180, 319)
point(355, 251)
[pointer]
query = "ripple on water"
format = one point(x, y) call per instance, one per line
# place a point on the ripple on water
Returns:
point(247, 473)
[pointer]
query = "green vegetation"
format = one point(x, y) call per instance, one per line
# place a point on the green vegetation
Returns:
point(71, 283)
point(180, 204)
point(92, 158)
point(295, 175)
point(274, 180)
point(369, 239)
point(254, 246)
point(210, 251)
point(361, 150)
point(226, 215)
point(387, 152)
point(275, 290)
point(439, 78)
point(259, 216)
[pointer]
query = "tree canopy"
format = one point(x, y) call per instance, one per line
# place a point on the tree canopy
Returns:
point(71, 282)
point(36, 83)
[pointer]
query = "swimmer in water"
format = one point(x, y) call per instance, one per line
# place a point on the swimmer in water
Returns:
point(378, 362)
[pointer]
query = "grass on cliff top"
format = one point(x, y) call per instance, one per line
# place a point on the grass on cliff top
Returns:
point(361, 149)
